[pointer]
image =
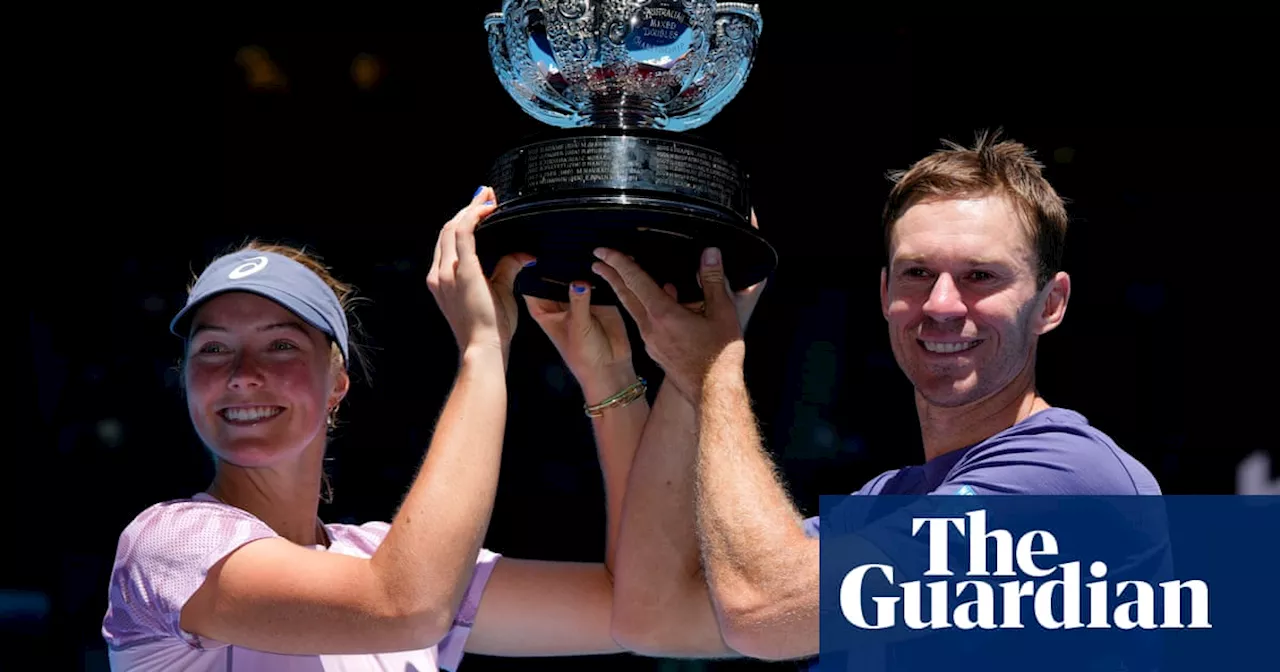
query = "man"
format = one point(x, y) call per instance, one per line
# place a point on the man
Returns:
point(974, 241)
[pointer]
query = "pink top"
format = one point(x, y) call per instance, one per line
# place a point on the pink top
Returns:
point(162, 560)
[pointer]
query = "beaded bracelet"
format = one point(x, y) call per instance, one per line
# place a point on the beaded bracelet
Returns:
point(631, 393)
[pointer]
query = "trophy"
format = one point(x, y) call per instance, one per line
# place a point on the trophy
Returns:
point(621, 82)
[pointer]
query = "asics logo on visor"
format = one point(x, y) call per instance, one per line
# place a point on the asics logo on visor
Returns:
point(248, 268)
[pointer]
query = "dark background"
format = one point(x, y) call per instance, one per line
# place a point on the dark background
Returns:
point(170, 150)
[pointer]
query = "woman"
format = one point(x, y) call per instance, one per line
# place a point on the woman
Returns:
point(244, 576)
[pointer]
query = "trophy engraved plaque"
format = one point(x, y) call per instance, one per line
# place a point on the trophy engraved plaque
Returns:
point(622, 82)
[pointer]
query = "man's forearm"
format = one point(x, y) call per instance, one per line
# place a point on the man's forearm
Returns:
point(661, 604)
point(761, 568)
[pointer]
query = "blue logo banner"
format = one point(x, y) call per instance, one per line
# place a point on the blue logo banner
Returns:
point(969, 583)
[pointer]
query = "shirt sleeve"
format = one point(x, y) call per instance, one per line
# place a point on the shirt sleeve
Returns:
point(1056, 460)
point(162, 558)
point(813, 525)
point(451, 648)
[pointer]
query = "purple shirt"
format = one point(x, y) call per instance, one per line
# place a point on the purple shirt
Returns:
point(163, 557)
point(1053, 452)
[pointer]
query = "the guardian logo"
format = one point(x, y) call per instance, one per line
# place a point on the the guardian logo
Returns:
point(1031, 556)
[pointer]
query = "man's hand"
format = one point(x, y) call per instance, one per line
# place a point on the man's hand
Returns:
point(683, 341)
point(744, 299)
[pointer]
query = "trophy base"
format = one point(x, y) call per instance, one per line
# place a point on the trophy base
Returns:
point(657, 197)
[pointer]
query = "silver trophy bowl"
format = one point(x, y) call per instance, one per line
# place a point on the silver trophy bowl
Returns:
point(620, 82)
point(667, 64)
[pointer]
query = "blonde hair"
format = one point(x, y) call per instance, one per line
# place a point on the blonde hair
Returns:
point(991, 166)
point(346, 293)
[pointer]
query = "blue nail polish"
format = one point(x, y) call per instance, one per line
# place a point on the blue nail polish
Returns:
point(489, 202)
point(579, 289)
point(529, 263)
point(478, 190)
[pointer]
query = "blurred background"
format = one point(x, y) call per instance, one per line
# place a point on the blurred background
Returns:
point(360, 145)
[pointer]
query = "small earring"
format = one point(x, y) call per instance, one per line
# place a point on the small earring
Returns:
point(331, 420)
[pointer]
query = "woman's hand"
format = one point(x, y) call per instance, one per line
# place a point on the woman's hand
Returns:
point(481, 311)
point(592, 340)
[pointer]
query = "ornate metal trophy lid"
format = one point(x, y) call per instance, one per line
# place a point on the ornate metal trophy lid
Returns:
point(663, 64)
point(617, 79)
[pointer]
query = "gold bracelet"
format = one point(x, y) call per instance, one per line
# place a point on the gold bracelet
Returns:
point(631, 393)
